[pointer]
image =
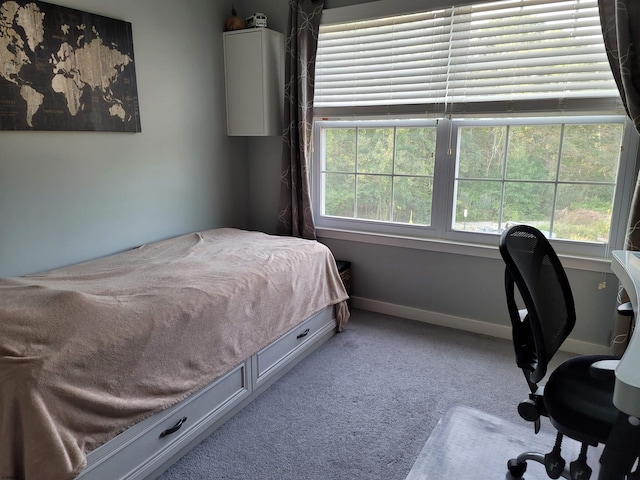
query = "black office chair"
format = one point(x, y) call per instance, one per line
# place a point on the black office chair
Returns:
point(577, 397)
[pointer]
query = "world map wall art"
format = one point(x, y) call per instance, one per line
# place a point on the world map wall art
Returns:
point(64, 69)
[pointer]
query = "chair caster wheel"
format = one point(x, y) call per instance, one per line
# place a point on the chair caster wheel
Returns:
point(554, 463)
point(580, 469)
point(516, 469)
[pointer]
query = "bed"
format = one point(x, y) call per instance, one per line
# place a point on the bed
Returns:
point(116, 367)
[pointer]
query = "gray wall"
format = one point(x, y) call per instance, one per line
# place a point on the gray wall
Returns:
point(457, 285)
point(66, 197)
point(464, 286)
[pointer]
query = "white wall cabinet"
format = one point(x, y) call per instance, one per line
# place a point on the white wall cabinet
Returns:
point(254, 81)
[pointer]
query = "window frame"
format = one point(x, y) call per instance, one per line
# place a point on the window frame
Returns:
point(442, 209)
point(439, 237)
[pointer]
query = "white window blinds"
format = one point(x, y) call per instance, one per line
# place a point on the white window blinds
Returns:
point(504, 56)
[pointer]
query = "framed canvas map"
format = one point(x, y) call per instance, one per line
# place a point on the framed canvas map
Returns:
point(64, 69)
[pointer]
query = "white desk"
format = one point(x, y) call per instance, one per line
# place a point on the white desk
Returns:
point(626, 396)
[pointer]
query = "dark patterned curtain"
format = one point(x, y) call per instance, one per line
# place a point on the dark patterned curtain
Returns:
point(620, 20)
point(296, 215)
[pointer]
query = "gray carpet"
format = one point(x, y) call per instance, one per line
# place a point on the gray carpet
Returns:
point(363, 405)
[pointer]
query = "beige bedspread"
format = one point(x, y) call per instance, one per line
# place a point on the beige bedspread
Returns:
point(87, 351)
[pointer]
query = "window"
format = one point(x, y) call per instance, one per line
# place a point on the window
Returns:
point(380, 173)
point(539, 175)
point(450, 124)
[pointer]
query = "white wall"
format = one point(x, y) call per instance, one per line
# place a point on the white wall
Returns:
point(66, 197)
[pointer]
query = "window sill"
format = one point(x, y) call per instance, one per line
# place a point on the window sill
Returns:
point(592, 264)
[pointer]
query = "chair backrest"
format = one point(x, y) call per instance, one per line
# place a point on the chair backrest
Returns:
point(534, 267)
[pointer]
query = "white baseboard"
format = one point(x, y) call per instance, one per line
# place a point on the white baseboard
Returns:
point(466, 324)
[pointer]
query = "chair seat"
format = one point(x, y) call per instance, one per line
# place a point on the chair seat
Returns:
point(579, 404)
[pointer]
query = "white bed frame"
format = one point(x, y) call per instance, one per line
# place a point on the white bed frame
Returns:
point(150, 447)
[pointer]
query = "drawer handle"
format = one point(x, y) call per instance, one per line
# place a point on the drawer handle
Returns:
point(303, 334)
point(173, 429)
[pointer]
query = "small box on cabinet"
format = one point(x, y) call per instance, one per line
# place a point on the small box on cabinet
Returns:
point(256, 20)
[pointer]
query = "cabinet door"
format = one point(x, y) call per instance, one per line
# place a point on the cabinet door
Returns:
point(253, 62)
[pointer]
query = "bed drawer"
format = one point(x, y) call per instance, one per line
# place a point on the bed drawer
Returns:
point(168, 431)
point(268, 361)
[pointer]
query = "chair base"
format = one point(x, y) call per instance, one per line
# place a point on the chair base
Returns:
point(517, 466)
